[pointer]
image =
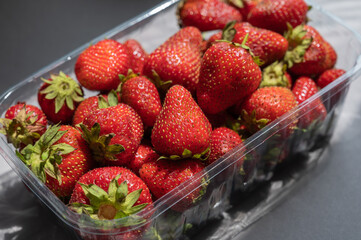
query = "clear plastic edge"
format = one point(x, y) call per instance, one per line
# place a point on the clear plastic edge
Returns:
point(70, 217)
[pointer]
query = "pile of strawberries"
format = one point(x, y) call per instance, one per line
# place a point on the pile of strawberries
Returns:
point(160, 118)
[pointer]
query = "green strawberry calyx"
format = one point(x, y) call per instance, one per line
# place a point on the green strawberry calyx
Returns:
point(100, 145)
point(64, 90)
point(44, 157)
point(160, 84)
point(203, 190)
point(187, 154)
point(274, 75)
point(297, 43)
point(251, 122)
point(117, 203)
point(229, 31)
point(111, 101)
point(23, 129)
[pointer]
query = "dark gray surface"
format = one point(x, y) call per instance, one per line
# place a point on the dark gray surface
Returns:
point(35, 33)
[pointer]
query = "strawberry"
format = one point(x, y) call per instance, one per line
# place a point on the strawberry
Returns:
point(206, 14)
point(245, 6)
point(113, 134)
point(303, 89)
point(181, 127)
point(142, 95)
point(275, 14)
point(177, 61)
point(98, 66)
point(137, 55)
point(266, 105)
point(268, 46)
point(317, 57)
point(93, 103)
point(143, 155)
point(59, 158)
point(58, 97)
point(113, 193)
point(163, 176)
point(23, 124)
point(329, 76)
point(222, 141)
point(276, 75)
point(228, 74)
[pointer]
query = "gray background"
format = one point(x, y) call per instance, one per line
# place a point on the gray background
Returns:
point(36, 33)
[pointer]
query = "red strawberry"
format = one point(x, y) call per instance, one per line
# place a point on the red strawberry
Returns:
point(59, 158)
point(143, 155)
point(222, 141)
point(266, 105)
point(90, 104)
point(112, 193)
point(23, 124)
point(317, 57)
point(142, 95)
point(181, 127)
point(113, 133)
point(275, 14)
point(177, 60)
point(329, 76)
point(98, 66)
point(207, 14)
point(58, 97)
point(245, 7)
point(163, 176)
point(268, 46)
point(228, 74)
point(136, 54)
point(303, 89)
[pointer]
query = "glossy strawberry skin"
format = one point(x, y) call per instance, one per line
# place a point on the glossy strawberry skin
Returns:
point(86, 107)
point(222, 141)
point(329, 76)
point(269, 46)
point(137, 55)
point(142, 95)
point(275, 14)
point(303, 89)
point(207, 14)
point(178, 59)
point(14, 110)
point(163, 176)
point(180, 125)
point(98, 67)
point(248, 5)
point(228, 74)
point(73, 164)
point(124, 123)
point(144, 154)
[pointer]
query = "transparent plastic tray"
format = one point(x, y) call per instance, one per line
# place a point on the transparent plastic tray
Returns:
point(267, 156)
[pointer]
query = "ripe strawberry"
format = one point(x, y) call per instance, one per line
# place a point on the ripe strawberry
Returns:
point(142, 95)
point(136, 54)
point(268, 46)
point(329, 76)
point(143, 155)
point(58, 97)
point(177, 60)
point(98, 66)
point(228, 74)
point(90, 104)
point(207, 14)
point(275, 14)
point(113, 133)
point(266, 105)
point(181, 127)
point(317, 57)
point(222, 141)
point(245, 7)
point(303, 89)
point(112, 193)
point(59, 158)
point(163, 176)
point(23, 124)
